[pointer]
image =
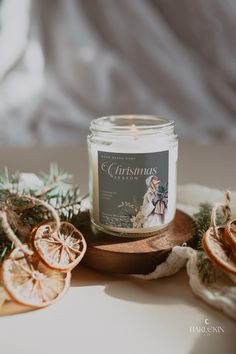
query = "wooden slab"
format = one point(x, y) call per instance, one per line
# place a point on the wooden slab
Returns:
point(114, 254)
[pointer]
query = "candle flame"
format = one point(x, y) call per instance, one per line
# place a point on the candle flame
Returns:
point(134, 130)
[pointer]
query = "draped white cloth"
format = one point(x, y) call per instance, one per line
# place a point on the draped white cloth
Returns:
point(221, 293)
point(63, 63)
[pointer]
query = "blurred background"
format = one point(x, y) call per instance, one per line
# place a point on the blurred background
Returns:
point(65, 62)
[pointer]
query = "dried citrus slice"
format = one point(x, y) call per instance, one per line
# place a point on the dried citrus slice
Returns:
point(230, 234)
point(29, 282)
point(218, 252)
point(62, 249)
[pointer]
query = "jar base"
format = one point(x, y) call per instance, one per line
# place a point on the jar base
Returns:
point(133, 235)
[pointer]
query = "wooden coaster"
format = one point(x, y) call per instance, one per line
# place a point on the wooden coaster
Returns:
point(114, 254)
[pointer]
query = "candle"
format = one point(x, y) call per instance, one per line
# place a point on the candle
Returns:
point(132, 177)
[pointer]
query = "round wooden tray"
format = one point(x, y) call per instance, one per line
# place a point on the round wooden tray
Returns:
point(121, 255)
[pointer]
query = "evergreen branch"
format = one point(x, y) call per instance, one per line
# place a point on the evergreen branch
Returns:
point(205, 268)
point(55, 188)
point(202, 221)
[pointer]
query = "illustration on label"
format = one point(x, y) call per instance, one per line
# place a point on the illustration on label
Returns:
point(133, 189)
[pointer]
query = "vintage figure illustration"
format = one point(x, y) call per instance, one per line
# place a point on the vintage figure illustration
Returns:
point(155, 204)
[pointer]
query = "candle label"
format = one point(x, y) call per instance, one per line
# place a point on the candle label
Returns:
point(133, 189)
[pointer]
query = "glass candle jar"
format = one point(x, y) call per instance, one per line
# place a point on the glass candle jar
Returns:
point(132, 174)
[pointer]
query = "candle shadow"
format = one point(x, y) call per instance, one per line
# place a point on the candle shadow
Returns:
point(165, 291)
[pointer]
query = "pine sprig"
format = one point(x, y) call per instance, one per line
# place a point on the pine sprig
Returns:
point(55, 188)
point(206, 268)
point(68, 204)
point(53, 180)
point(202, 220)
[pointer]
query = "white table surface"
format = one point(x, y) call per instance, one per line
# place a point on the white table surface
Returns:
point(117, 314)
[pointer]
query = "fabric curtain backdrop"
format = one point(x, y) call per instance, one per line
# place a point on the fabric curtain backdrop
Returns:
point(63, 63)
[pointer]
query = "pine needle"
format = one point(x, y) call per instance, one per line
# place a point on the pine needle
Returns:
point(202, 221)
point(56, 189)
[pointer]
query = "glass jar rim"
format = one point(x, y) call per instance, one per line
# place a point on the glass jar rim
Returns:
point(143, 124)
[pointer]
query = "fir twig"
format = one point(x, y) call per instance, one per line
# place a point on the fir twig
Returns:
point(55, 188)
point(206, 268)
point(202, 221)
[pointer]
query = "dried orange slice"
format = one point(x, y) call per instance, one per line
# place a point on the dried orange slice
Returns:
point(218, 252)
point(230, 234)
point(62, 249)
point(29, 282)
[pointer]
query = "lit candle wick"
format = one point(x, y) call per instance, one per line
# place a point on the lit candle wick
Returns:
point(134, 129)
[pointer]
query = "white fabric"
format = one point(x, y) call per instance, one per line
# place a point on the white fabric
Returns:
point(66, 62)
point(219, 294)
